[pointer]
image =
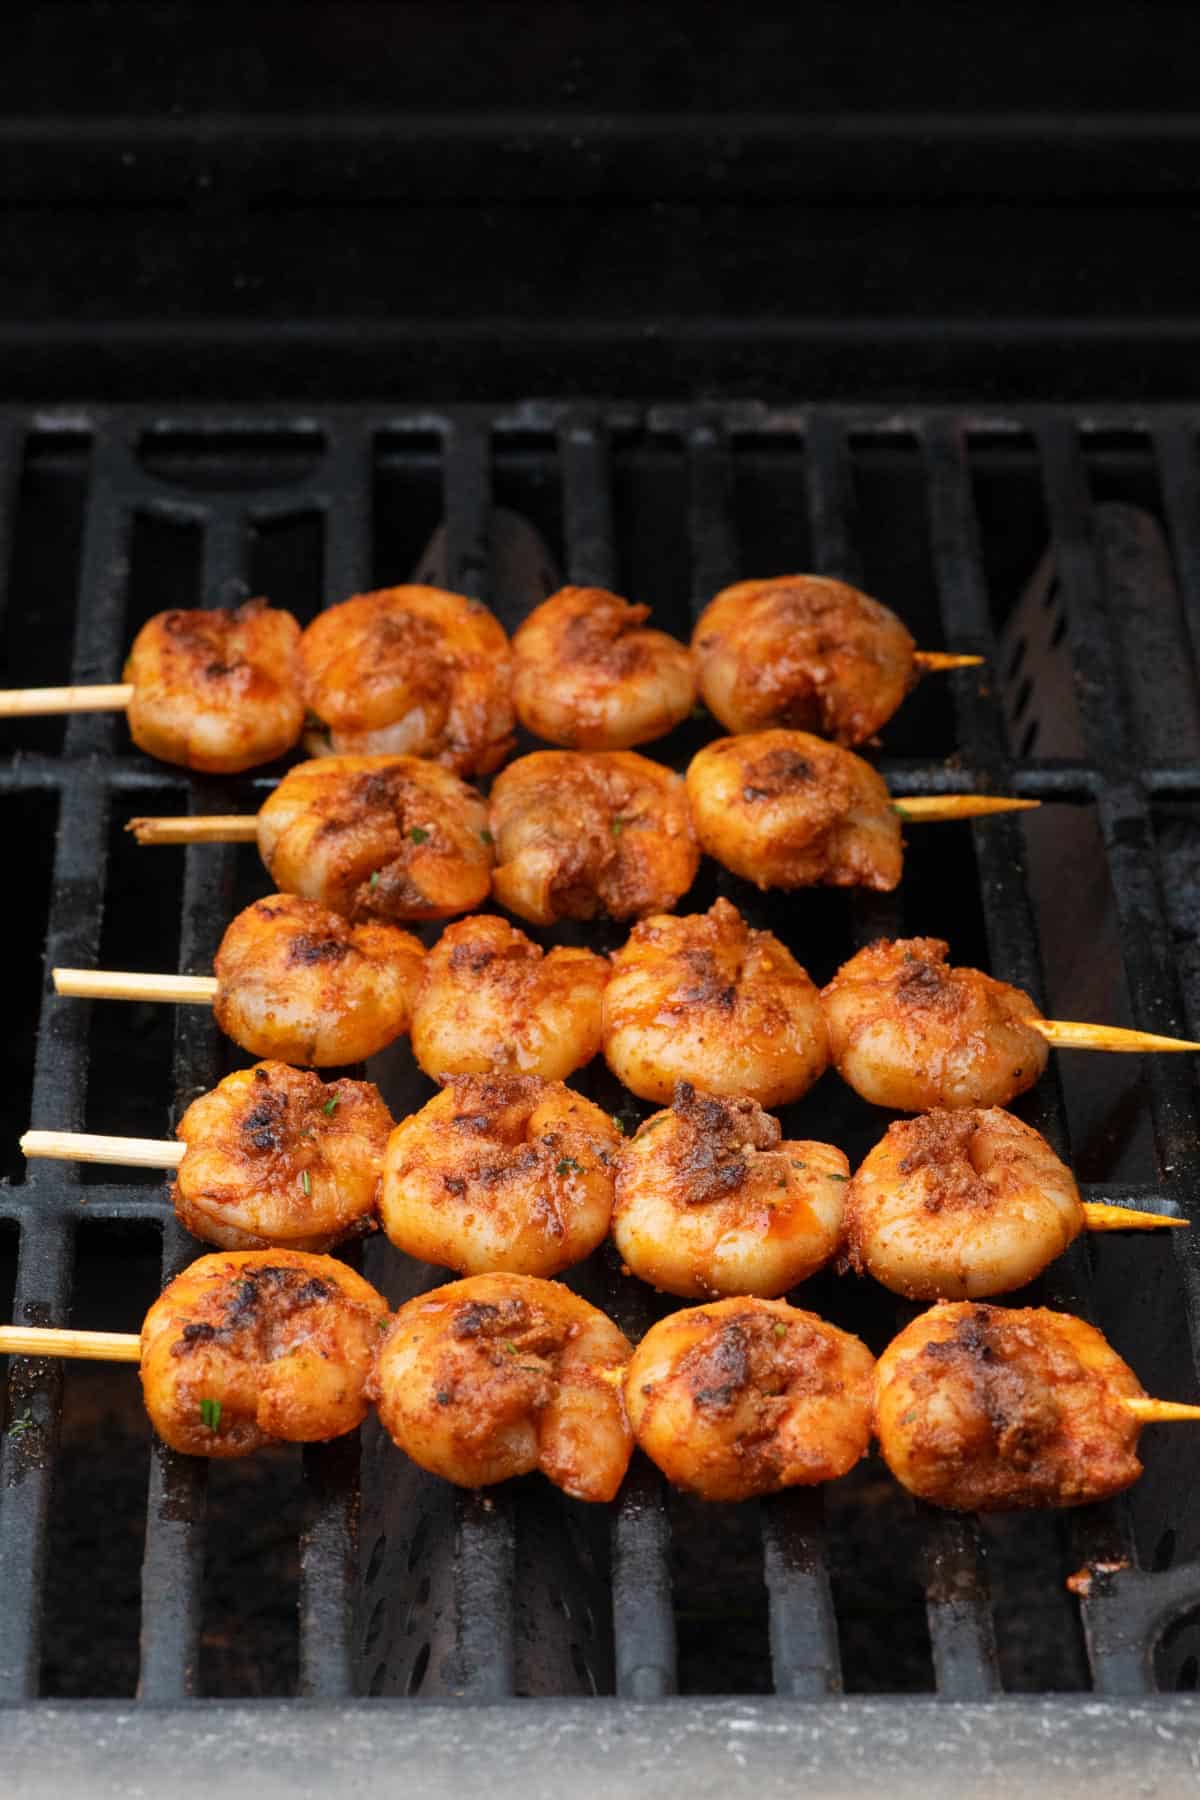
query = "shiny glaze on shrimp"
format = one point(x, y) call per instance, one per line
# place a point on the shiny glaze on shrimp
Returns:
point(988, 1409)
point(748, 1396)
point(252, 1347)
point(955, 1205)
point(787, 810)
point(587, 673)
point(501, 1172)
point(276, 1156)
point(490, 1000)
point(705, 999)
point(412, 671)
point(300, 984)
point(217, 691)
point(378, 837)
point(711, 1201)
point(910, 1033)
point(503, 1374)
point(582, 832)
point(804, 652)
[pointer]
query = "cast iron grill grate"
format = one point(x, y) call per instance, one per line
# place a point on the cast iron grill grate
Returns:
point(517, 1592)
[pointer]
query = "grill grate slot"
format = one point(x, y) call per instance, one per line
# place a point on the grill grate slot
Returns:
point(486, 1540)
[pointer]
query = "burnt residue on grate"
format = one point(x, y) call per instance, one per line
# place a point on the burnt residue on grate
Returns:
point(1034, 539)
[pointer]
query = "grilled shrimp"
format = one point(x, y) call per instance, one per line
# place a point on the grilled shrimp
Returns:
point(274, 1156)
point(910, 1033)
point(987, 1409)
point(217, 691)
point(955, 1205)
point(378, 837)
point(252, 1347)
point(501, 1172)
point(704, 999)
point(581, 832)
point(749, 1396)
point(587, 673)
point(802, 652)
point(300, 984)
point(711, 1201)
point(412, 671)
point(504, 1374)
point(490, 1000)
point(788, 810)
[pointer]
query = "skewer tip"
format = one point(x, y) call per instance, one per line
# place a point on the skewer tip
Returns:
point(1099, 1216)
point(1160, 1412)
point(935, 662)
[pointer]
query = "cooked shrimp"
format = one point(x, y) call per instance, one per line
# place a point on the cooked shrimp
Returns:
point(412, 671)
point(749, 1396)
point(274, 1156)
point(588, 675)
point(909, 1033)
point(954, 1205)
point(490, 1000)
point(803, 652)
point(217, 691)
point(711, 1201)
point(501, 1172)
point(581, 832)
point(705, 999)
point(986, 1409)
point(252, 1347)
point(300, 984)
point(788, 810)
point(378, 837)
point(504, 1374)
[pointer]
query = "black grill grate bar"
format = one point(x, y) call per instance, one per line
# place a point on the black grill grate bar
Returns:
point(802, 1626)
point(1179, 476)
point(346, 496)
point(46, 1258)
point(1102, 1533)
point(644, 1648)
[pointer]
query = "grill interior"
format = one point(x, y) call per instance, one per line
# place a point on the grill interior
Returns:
point(342, 1570)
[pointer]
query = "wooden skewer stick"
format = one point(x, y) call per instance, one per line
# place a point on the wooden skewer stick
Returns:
point(24, 703)
point(212, 828)
point(49, 1340)
point(932, 662)
point(1160, 1412)
point(1073, 1034)
point(930, 809)
point(114, 984)
point(92, 1147)
point(1102, 1217)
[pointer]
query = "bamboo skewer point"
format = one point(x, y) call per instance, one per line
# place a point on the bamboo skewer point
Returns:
point(1074, 1034)
point(1160, 1412)
point(937, 809)
point(211, 828)
point(1099, 1216)
point(931, 662)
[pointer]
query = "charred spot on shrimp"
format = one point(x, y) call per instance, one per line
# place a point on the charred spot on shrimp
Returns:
point(305, 951)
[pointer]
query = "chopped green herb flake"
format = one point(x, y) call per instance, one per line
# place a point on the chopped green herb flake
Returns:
point(781, 1329)
point(374, 881)
point(618, 826)
point(486, 836)
point(567, 1165)
point(22, 1423)
point(839, 1178)
point(210, 1414)
point(330, 1106)
point(418, 834)
point(619, 1122)
point(782, 1182)
point(382, 1324)
point(306, 1182)
point(508, 1345)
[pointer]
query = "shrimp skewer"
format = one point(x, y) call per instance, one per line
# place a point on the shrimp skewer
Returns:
point(414, 671)
point(501, 1172)
point(372, 837)
point(503, 1374)
point(590, 676)
point(962, 1204)
point(578, 833)
point(909, 1032)
point(748, 1397)
point(985, 1409)
point(491, 1001)
point(216, 691)
point(711, 1201)
point(804, 652)
point(785, 809)
point(294, 983)
point(272, 1156)
point(705, 999)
